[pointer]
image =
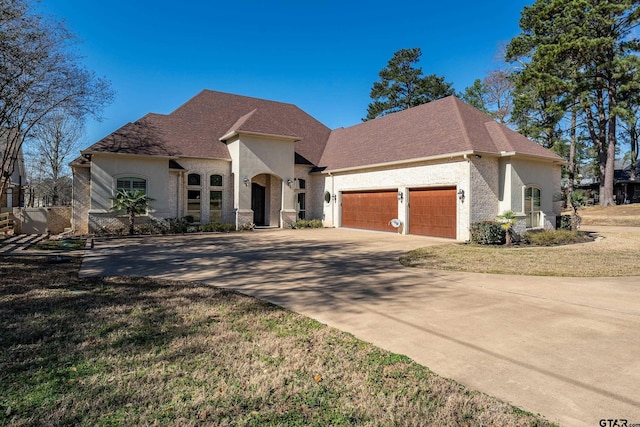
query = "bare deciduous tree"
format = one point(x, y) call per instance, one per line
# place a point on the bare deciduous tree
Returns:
point(53, 140)
point(39, 74)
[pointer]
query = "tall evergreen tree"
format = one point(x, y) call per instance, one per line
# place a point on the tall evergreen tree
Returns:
point(582, 51)
point(474, 95)
point(403, 86)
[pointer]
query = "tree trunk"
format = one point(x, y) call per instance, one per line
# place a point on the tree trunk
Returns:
point(575, 218)
point(132, 218)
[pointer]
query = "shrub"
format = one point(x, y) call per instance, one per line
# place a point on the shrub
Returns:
point(178, 225)
point(248, 226)
point(555, 237)
point(565, 222)
point(303, 223)
point(488, 233)
point(217, 227)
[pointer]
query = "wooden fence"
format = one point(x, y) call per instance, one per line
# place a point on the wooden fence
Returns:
point(6, 224)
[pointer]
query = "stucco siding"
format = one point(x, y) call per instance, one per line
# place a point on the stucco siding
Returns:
point(521, 173)
point(106, 169)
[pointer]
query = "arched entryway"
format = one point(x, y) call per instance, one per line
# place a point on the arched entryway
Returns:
point(258, 204)
point(266, 200)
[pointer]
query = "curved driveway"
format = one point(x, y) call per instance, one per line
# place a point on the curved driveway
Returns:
point(567, 348)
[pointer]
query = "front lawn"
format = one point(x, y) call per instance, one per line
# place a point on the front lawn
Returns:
point(137, 351)
point(614, 253)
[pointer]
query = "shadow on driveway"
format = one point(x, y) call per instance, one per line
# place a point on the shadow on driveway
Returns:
point(563, 347)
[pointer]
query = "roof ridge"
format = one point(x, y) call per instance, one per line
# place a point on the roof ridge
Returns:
point(241, 120)
point(496, 130)
point(461, 121)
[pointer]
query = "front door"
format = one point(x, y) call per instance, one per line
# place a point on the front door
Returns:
point(258, 203)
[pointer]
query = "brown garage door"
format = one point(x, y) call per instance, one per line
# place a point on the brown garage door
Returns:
point(369, 210)
point(432, 212)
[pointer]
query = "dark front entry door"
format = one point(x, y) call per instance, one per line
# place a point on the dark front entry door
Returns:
point(258, 203)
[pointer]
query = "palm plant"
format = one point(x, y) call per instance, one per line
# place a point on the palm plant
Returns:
point(131, 202)
point(508, 218)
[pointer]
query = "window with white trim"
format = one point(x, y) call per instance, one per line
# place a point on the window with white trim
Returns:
point(130, 183)
point(532, 207)
point(194, 196)
point(301, 199)
point(215, 198)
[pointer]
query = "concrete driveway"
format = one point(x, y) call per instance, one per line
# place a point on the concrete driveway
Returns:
point(567, 348)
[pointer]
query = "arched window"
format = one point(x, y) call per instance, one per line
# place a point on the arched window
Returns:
point(194, 196)
point(215, 198)
point(131, 183)
point(193, 179)
point(532, 207)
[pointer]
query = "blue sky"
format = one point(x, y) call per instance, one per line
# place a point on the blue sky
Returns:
point(323, 56)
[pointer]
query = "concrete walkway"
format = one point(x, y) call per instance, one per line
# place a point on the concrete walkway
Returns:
point(18, 243)
point(567, 348)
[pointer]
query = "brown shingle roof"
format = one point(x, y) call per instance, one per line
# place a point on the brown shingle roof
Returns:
point(442, 127)
point(195, 128)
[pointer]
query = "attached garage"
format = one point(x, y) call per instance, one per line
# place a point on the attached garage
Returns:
point(433, 212)
point(371, 210)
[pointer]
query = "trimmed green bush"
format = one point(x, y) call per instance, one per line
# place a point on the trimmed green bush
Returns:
point(565, 222)
point(488, 233)
point(303, 223)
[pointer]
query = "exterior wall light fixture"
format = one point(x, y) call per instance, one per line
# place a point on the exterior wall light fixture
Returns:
point(335, 197)
point(400, 196)
point(461, 195)
point(289, 182)
point(246, 181)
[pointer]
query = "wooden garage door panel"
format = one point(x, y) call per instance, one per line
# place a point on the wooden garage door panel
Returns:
point(369, 210)
point(433, 212)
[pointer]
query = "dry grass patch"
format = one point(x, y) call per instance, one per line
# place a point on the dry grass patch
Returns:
point(136, 351)
point(614, 253)
point(620, 215)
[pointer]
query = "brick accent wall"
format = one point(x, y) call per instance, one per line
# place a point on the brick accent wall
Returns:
point(58, 219)
point(81, 200)
point(485, 187)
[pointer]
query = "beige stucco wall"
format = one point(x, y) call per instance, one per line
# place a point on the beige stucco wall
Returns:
point(253, 156)
point(517, 174)
point(107, 168)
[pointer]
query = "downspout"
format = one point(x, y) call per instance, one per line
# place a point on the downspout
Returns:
point(333, 201)
point(180, 202)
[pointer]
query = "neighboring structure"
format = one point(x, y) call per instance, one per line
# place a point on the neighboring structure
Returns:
point(435, 169)
point(13, 195)
point(626, 184)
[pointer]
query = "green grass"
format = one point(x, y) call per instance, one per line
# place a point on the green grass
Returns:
point(62, 244)
point(138, 351)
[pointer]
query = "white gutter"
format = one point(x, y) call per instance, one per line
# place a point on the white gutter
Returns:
point(234, 133)
point(402, 162)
